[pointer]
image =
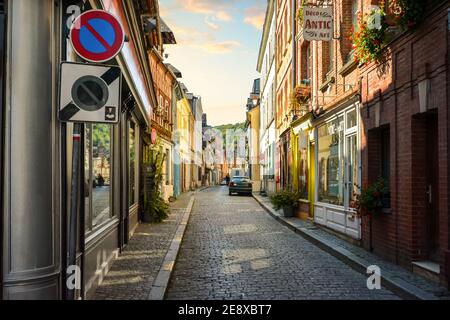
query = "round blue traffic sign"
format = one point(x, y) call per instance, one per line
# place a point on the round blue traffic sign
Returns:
point(97, 36)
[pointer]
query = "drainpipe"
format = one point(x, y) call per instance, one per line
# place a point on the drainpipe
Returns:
point(294, 72)
point(294, 44)
point(447, 254)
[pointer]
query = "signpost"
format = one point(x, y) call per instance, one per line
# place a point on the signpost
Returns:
point(89, 93)
point(97, 36)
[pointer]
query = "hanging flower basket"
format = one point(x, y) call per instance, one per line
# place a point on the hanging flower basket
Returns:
point(407, 14)
point(302, 93)
point(369, 39)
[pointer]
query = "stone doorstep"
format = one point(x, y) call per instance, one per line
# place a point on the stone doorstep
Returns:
point(161, 282)
point(427, 269)
point(390, 281)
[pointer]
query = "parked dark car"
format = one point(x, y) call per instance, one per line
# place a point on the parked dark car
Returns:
point(241, 185)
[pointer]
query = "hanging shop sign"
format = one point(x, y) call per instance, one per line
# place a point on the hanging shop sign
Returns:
point(318, 23)
point(89, 93)
point(97, 36)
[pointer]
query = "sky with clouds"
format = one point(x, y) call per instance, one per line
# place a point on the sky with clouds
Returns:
point(216, 51)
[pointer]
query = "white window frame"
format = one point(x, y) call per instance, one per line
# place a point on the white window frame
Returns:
point(347, 133)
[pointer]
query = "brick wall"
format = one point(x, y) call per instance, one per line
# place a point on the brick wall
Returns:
point(400, 236)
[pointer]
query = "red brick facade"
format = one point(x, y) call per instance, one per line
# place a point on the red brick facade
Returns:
point(404, 129)
point(391, 101)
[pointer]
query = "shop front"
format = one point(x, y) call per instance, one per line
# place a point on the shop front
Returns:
point(303, 150)
point(285, 159)
point(37, 173)
point(113, 166)
point(337, 163)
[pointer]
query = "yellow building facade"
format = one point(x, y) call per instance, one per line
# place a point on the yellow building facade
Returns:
point(185, 133)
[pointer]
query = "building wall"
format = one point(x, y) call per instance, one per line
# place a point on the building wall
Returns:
point(284, 51)
point(162, 116)
point(393, 100)
point(254, 134)
point(185, 125)
point(268, 101)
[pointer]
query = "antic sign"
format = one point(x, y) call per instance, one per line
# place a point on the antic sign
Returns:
point(318, 23)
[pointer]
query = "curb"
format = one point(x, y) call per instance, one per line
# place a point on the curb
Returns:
point(161, 282)
point(400, 287)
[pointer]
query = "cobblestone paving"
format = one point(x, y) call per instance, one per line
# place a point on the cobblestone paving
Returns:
point(132, 274)
point(396, 270)
point(234, 250)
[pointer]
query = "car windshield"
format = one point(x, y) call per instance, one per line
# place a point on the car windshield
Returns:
point(241, 179)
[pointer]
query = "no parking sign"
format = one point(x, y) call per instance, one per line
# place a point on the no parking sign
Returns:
point(89, 93)
point(97, 36)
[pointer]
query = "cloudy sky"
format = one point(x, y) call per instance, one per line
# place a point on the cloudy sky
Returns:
point(216, 51)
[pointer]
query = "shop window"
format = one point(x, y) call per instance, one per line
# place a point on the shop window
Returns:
point(98, 175)
point(303, 169)
point(132, 185)
point(331, 164)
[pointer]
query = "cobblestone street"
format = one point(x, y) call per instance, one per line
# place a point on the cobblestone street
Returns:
point(133, 272)
point(234, 250)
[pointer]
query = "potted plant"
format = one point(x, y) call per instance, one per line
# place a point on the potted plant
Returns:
point(286, 200)
point(371, 200)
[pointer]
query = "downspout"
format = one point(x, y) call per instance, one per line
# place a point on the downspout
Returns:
point(447, 254)
point(294, 44)
point(294, 163)
point(2, 180)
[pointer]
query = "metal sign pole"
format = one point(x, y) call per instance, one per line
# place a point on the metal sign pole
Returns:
point(73, 224)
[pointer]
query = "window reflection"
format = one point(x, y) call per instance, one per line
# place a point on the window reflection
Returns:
point(331, 162)
point(101, 159)
point(97, 171)
point(303, 164)
point(87, 177)
point(132, 164)
point(352, 147)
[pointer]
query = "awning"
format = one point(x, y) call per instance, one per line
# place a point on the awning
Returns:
point(167, 34)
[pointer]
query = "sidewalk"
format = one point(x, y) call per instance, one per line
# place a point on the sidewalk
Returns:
point(143, 269)
point(394, 277)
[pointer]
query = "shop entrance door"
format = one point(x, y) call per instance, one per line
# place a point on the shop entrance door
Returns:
point(312, 178)
point(432, 216)
point(351, 171)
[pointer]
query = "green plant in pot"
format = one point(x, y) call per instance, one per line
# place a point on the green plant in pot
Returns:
point(370, 200)
point(286, 200)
